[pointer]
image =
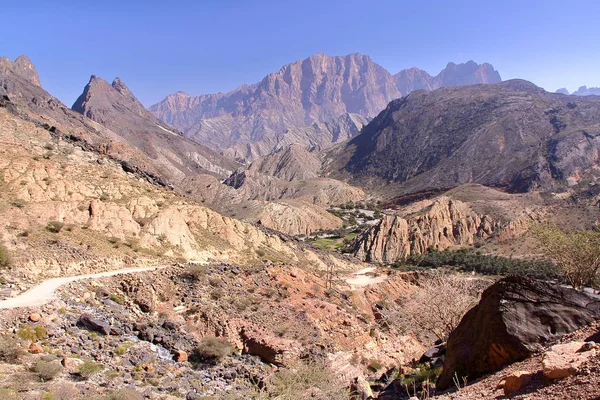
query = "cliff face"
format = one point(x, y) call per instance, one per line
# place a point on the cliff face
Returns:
point(444, 224)
point(255, 119)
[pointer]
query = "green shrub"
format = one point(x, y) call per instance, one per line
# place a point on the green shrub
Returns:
point(213, 349)
point(4, 257)
point(47, 370)
point(89, 368)
point(10, 351)
point(32, 333)
point(468, 261)
point(117, 299)
point(54, 226)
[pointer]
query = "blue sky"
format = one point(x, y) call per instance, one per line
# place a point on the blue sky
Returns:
point(160, 47)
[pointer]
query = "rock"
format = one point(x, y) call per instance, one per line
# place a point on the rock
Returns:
point(89, 322)
point(515, 381)
point(181, 356)
point(35, 348)
point(564, 360)
point(71, 364)
point(443, 224)
point(270, 349)
point(35, 317)
point(434, 356)
point(516, 317)
point(362, 389)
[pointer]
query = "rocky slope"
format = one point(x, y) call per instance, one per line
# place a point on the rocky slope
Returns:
point(115, 107)
point(253, 119)
point(512, 135)
point(443, 224)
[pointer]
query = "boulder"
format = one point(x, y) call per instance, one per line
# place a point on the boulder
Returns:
point(270, 349)
point(72, 364)
point(361, 389)
point(35, 317)
point(35, 348)
point(564, 360)
point(516, 317)
point(434, 356)
point(180, 356)
point(89, 322)
point(515, 381)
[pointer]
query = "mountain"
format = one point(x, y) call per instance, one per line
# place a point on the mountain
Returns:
point(317, 90)
point(115, 107)
point(512, 135)
point(585, 91)
point(23, 67)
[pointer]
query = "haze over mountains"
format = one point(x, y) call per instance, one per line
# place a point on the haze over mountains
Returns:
point(582, 91)
point(256, 119)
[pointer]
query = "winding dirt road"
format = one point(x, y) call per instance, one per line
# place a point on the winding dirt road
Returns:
point(46, 291)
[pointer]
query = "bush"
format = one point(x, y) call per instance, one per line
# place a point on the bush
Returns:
point(54, 226)
point(47, 370)
point(89, 368)
point(4, 257)
point(468, 261)
point(213, 349)
point(124, 394)
point(10, 351)
point(32, 333)
point(19, 203)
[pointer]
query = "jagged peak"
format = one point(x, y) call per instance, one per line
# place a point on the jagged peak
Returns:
point(25, 68)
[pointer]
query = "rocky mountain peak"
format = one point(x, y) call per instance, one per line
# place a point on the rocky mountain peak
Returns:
point(23, 67)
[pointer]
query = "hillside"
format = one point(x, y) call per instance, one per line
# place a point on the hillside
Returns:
point(511, 135)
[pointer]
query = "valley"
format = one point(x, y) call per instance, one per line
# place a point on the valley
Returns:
point(334, 231)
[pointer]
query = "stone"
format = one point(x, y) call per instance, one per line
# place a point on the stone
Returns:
point(35, 317)
point(515, 318)
point(35, 348)
point(362, 389)
point(516, 381)
point(180, 356)
point(71, 365)
point(89, 322)
point(278, 351)
point(564, 360)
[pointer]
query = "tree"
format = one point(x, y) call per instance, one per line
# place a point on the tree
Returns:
point(576, 253)
point(437, 306)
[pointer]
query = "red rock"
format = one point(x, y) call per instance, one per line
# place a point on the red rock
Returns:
point(515, 381)
point(564, 360)
point(35, 317)
point(181, 356)
point(35, 348)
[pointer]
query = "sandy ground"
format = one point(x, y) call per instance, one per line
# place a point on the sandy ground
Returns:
point(45, 291)
point(365, 277)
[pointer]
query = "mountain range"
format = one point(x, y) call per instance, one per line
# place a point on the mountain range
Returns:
point(255, 119)
point(582, 91)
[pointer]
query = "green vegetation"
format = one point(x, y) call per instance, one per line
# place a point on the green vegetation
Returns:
point(32, 333)
point(336, 243)
point(467, 261)
point(577, 253)
point(422, 377)
point(4, 257)
point(213, 349)
point(90, 368)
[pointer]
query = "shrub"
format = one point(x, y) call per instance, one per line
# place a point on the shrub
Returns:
point(125, 394)
point(54, 226)
point(213, 349)
point(89, 368)
point(196, 271)
point(10, 351)
point(576, 253)
point(47, 370)
point(4, 257)
point(32, 333)
point(19, 203)
point(468, 261)
point(436, 307)
point(117, 299)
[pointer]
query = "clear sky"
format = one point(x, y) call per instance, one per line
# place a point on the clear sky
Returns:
point(160, 47)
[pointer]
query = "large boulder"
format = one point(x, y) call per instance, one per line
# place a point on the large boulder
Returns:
point(93, 324)
point(516, 317)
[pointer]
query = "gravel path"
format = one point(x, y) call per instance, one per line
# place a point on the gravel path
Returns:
point(46, 291)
